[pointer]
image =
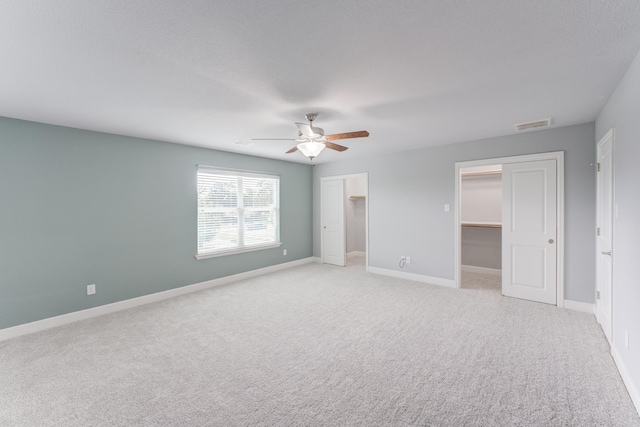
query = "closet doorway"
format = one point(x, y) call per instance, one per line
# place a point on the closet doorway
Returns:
point(481, 227)
point(344, 220)
point(530, 224)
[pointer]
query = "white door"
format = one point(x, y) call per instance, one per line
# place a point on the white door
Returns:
point(333, 223)
point(529, 231)
point(604, 234)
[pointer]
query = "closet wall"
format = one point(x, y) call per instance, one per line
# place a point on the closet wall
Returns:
point(481, 214)
point(355, 204)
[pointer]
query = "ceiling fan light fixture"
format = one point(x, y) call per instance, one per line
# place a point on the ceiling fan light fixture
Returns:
point(312, 140)
point(311, 149)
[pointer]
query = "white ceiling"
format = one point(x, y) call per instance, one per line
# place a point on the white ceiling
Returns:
point(413, 73)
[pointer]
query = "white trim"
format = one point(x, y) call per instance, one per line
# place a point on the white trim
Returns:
point(632, 388)
point(354, 254)
point(583, 307)
point(447, 283)
point(348, 176)
point(558, 156)
point(217, 170)
point(482, 270)
point(609, 135)
point(316, 259)
point(560, 224)
point(64, 319)
point(237, 251)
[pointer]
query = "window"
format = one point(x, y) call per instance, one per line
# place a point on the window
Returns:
point(237, 211)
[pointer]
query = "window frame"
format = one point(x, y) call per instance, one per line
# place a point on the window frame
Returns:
point(240, 209)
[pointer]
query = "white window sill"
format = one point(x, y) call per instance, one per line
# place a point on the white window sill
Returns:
point(238, 251)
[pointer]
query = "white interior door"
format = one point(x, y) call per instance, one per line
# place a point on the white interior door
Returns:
point(604, 233)
point(333, 222)
point(529, 209)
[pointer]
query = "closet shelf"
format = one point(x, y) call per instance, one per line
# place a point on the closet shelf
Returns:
point(481, 173)
point(356, 197)
point(481, 224)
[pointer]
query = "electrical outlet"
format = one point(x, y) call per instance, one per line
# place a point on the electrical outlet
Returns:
point(408, 260)
point(626, 340)
point(447, 207)
point(284, 252)
point(91, 289)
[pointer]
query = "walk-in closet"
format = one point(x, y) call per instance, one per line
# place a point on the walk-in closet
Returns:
point(481, 226)
point(355, 206)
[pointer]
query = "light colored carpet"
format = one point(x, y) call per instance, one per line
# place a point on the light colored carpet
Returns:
point(481, 281)
point(319, 345)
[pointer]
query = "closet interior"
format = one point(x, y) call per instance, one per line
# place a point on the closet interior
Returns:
point(481, 226)
point(355, 219)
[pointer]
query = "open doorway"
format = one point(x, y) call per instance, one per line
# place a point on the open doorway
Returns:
point(355, 219)
point(344, 220)
point(481, 227)
point(532, 225)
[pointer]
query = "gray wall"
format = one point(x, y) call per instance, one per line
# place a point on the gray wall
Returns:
point(481, 247)
point(622, 113)
point(481, 198)
point(80, 207)
point(407, 192)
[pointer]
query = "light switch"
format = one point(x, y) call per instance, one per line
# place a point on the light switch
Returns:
point(447, 207)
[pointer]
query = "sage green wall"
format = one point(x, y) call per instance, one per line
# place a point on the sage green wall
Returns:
point(80, 207)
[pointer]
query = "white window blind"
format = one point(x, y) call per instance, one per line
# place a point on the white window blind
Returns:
point(237, 211)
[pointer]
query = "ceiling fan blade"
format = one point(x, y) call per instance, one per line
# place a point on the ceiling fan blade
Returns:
point(272, 139)
point(293, 150)
point(336, 147)
point(347, 135)
point(305, 129)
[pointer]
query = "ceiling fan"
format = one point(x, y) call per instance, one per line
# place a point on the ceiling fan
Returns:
point(312, 140)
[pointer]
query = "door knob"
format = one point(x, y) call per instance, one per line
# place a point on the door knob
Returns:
point(606, 253)
point(550, 240)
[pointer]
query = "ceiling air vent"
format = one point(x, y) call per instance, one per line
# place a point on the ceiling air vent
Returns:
point(532, 125)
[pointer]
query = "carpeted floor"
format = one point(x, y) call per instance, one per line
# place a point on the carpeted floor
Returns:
point(319, 345)
point(481, 281)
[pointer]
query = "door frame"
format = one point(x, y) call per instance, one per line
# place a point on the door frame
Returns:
point(558, 156)
point(364, 175)
point(609, 135)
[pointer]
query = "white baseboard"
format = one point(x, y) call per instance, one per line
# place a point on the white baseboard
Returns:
point(448, 283)
point(316, 259)
point(64, 319)
point(584, 307)
point(632, 388)
point(355, 254)
point(482, 270)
